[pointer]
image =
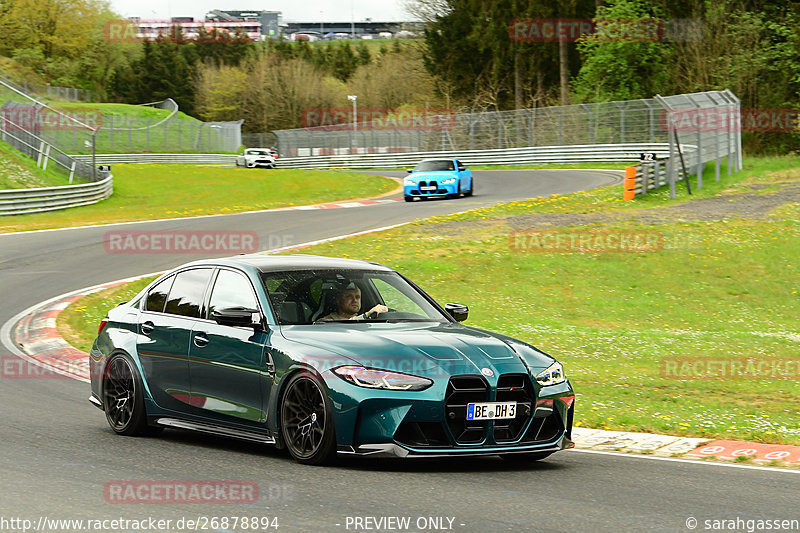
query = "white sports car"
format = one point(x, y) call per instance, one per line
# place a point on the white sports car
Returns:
point(256, 157)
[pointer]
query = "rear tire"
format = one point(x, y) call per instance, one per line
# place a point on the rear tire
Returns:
point(123, 400)
point(307, 427)
point(471, 187)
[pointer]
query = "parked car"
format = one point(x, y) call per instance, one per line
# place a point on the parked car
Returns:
point(254, 347)
point(256, 157)
point(438, 178)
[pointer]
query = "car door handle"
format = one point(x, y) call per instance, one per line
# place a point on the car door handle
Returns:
point(148, 327)
point(200, 340)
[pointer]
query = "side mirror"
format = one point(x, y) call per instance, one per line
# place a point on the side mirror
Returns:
point(459, 312)
point(462, 169)
point(237, 316)
point(409, 170)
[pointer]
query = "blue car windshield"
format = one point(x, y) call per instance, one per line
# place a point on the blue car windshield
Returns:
point(435, 165)
point(320, 296)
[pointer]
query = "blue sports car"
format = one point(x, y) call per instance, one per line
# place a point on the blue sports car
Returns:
point(323, 356)
point(438, 178)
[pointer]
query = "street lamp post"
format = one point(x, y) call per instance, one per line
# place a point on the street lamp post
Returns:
point(354, 99)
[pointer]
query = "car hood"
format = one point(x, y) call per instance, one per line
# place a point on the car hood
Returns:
point(424, 349)
point(432, 176)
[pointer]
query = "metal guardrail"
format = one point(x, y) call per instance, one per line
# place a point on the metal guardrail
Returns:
point(119, 159)
point(508, 156)
point(40, 200)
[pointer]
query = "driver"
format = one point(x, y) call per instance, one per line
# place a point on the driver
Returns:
point(348, 302)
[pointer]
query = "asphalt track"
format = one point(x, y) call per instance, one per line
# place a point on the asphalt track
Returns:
point(57, 453)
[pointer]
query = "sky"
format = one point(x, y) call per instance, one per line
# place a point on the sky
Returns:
point(293, 10)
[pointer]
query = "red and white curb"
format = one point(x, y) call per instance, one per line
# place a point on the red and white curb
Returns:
point(37, 337)
point(622, 441)
point(340, 205)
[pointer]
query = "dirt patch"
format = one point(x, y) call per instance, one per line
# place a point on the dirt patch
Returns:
point(751, 205)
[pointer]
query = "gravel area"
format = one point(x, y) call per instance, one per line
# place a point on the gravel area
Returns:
point(751, 205)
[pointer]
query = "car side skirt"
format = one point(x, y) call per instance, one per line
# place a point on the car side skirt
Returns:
point(214, 430)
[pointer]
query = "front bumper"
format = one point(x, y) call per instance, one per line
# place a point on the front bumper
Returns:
point(260, 163)
point(432, 423)
point(401, 452)
point(439, 189)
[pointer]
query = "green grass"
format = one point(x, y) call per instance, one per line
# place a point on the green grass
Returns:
point(718, 290)
point(18, 171)
point(146, 192)
point(181, 134)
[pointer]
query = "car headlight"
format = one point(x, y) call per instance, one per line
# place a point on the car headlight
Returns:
point(552, 375)
point(370, 378)
point(408, 181)
point(448, 181)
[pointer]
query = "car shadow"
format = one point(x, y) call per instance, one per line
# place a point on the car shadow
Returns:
point(416, 465)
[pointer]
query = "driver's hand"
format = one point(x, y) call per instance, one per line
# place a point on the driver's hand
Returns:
point(378, 309)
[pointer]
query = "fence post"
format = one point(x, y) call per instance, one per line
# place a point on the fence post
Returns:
point(621, 122)
point(588, 109)
point(39, 157)
point(560, 138)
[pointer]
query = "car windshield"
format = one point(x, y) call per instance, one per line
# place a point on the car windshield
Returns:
point(257, 152)
point(324, 296)
point(434, 165)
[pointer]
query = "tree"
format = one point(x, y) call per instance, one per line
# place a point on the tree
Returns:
point(616, 68)
point(469, 48)
point(59, 28)
point(394, 80)
point(219, 92)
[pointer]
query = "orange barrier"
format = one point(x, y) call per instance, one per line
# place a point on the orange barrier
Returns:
point(629, 191)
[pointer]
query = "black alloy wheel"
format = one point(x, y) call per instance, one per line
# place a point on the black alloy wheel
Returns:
point(122, 398)
point(307, 421)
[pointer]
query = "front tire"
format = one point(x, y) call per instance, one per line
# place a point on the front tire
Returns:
point(408, 198)
point(123, 400)
point(307, 421)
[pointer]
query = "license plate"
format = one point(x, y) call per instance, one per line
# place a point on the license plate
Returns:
point(428, 188)
point(491, 410)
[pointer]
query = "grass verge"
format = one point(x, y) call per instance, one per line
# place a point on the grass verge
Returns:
point(146, 192)
point(722, 290)
point(18, 171)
